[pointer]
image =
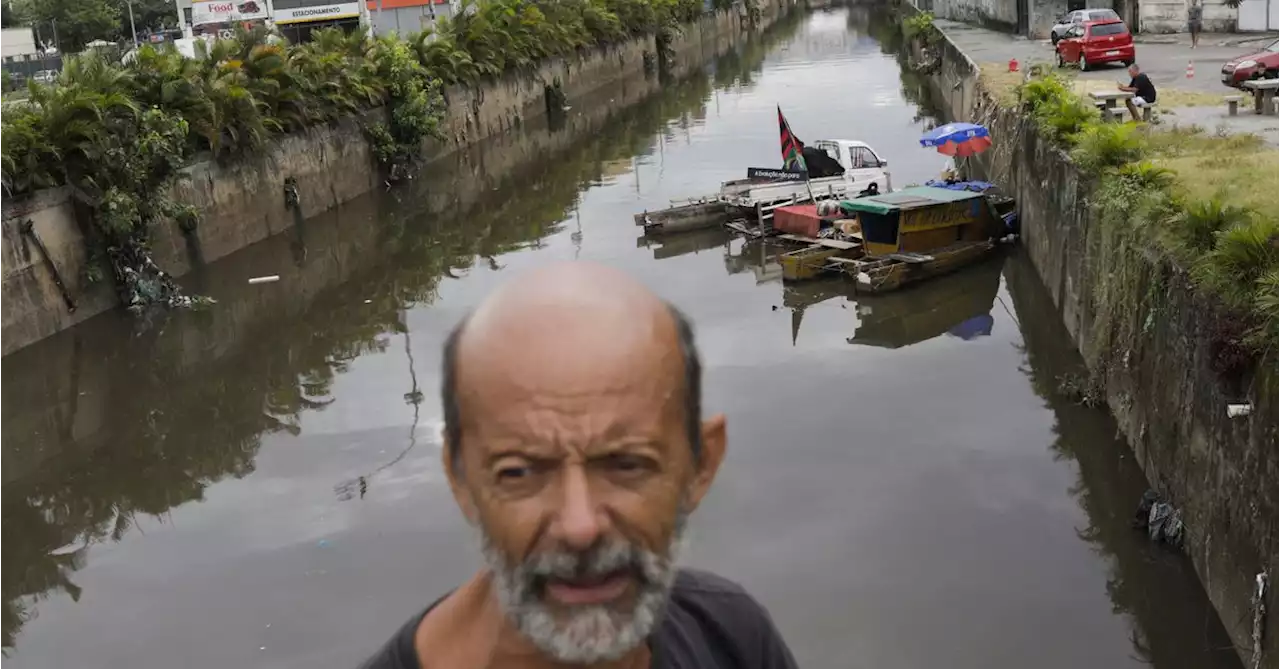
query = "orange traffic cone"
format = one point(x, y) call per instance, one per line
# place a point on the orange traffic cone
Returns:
point(1191, 70)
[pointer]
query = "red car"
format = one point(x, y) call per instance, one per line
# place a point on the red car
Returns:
point(1260, 65)
point(1096, 42)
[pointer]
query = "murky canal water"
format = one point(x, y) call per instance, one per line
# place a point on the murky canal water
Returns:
point(259, 485)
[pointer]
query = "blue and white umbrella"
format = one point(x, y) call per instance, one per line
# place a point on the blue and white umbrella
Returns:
point(958, 139)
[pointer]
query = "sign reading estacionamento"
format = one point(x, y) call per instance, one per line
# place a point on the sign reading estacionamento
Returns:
point(343, 10)
point(227, 11)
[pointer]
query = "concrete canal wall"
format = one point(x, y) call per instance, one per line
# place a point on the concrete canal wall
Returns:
point(1157, 369)
point(337, 257)
point(243, 202)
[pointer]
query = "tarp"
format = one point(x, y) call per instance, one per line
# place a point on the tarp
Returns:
point(972, 186)
point(907, 198)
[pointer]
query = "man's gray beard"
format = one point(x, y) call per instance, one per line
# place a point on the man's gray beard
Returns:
point(588, 633)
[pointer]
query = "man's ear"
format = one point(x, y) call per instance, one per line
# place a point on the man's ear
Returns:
point(713, 445)
point(453, 472)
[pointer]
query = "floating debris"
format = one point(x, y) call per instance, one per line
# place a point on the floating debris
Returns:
point(1161, 520)
point(265, 279)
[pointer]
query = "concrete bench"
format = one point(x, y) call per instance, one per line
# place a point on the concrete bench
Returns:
point(1233, 104)
point(1109, 99)
point(1264, 93)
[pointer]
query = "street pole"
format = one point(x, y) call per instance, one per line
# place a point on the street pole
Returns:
point(54, 23)
point(132, 28)
point(365, 20)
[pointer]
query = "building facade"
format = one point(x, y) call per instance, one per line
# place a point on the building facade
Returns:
point(408, 16)
point(20, 41)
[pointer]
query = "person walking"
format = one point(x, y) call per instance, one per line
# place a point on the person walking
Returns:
point(1195, 18)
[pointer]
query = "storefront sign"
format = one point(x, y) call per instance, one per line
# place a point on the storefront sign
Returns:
point(342, 10)
point(227, 11)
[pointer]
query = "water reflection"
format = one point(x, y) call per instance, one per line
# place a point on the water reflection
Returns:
point(957, 305)
point(101, 427)
point(106, 433)
point(1174, 627)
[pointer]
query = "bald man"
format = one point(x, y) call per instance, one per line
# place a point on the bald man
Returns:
point(574, 444)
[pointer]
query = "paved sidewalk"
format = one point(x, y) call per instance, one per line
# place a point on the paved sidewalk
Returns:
point(1245, 40)
point(1166, 64)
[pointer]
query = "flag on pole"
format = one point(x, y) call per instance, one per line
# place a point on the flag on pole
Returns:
point(792, 157)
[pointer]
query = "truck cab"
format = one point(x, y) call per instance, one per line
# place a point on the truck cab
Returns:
point(862, 165)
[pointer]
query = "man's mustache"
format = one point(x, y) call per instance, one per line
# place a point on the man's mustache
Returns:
point(600, 560)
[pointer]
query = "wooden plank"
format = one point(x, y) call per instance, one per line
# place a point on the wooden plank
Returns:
point(829, 243)
point(913, 258)
point(741, 226)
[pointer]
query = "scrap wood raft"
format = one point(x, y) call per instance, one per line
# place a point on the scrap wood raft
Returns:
point(887, 241)
point(882, 240)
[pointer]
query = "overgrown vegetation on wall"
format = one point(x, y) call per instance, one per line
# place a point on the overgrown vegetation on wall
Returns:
point(920, 27)
point(1186, 195)
point(117, 133)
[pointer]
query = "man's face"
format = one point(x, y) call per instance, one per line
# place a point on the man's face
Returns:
point(1133, 70)
point(579, 473)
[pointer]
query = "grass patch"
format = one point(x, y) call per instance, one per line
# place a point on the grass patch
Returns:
point(1239, 169)
point(1204, 201)
point(1169, 97)
point(1002, 84)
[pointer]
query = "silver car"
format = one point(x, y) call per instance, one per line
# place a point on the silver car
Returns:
point(1077, 17)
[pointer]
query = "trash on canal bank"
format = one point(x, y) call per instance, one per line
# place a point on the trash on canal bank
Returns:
point(1160, 519)
point(272, 278)
point(1238, 410)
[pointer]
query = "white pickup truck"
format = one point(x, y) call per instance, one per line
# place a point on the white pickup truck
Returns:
point(862, 167)
point(756, 200)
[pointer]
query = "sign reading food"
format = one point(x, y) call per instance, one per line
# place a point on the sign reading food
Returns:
point(226, 11)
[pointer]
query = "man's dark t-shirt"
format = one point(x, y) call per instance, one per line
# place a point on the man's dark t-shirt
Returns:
point(710, 623)
point(1145, 89)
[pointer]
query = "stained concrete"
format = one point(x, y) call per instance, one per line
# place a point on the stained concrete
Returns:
point(1159, 376)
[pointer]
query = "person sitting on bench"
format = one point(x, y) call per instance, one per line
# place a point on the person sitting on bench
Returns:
point(1144, 92)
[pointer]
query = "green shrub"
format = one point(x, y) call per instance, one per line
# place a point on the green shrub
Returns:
point(1056, 109)
point(1146, 175)
point(1195, 228)
point(1242, 255)
point(1100, 145)
point(1265, 335)
point(1065, 118)
point(920, 26)
point(1042, 90)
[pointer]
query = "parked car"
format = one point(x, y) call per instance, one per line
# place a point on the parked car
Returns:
point(1078, 17)
point(45, 76)
point(1096, 42)
point(1258, 65)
